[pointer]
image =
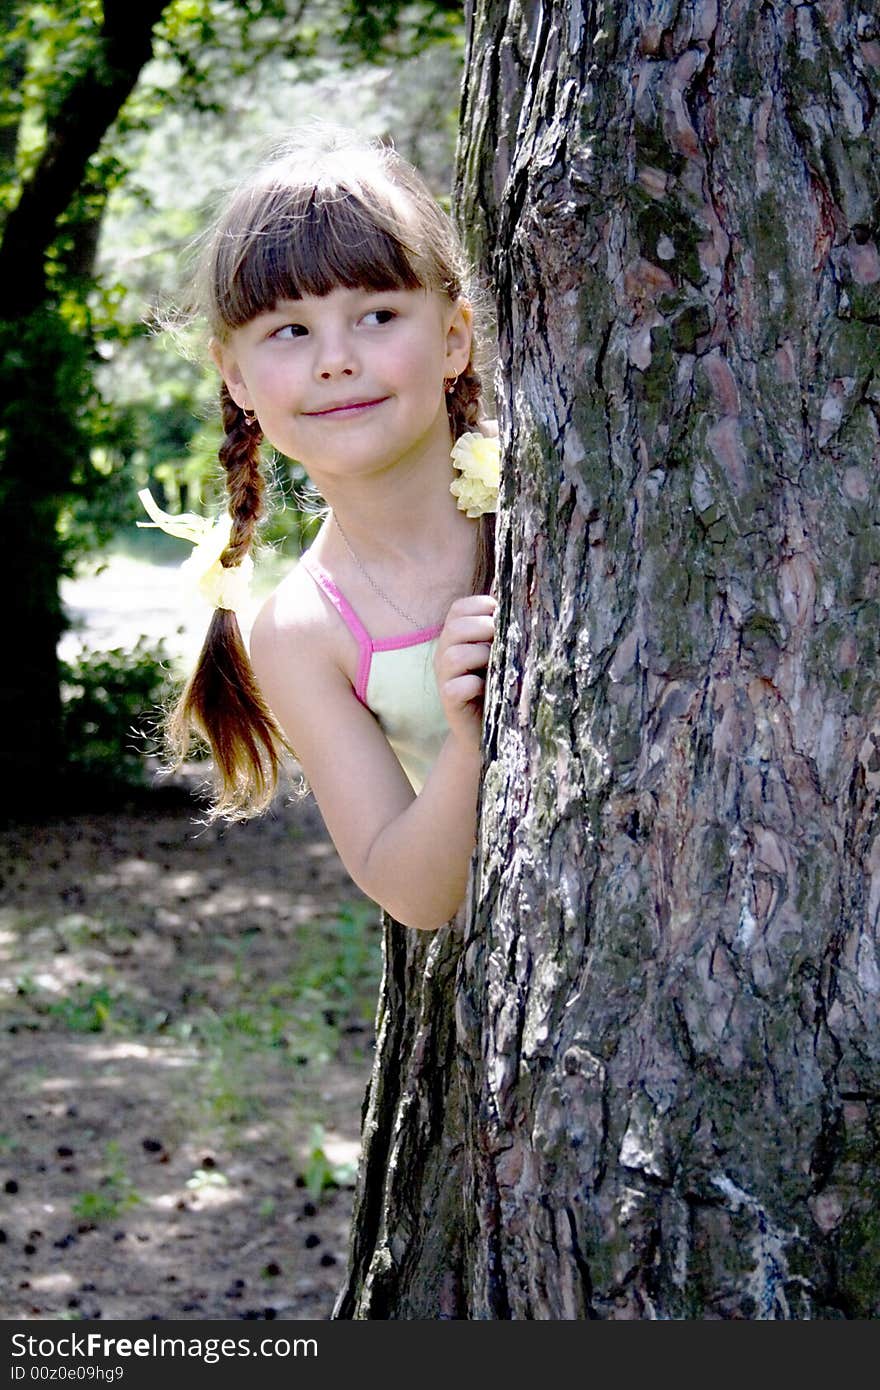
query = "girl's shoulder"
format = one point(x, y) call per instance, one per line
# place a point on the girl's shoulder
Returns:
point(293, 612)
point(292, 654)
point(297, 636)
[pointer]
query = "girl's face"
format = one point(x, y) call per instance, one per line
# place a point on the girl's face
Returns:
point(351, 382)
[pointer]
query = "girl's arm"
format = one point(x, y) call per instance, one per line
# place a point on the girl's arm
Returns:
point(409, 853)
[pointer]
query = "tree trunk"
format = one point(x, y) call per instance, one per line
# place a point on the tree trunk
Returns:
point(407, 1256)
point(44, 376)
point(671, 1061)
point(91, 104)
point(12, 74)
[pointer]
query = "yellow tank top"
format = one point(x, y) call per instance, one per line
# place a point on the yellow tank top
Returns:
point(395, 680)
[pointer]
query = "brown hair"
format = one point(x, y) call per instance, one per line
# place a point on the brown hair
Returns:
point(314, 218)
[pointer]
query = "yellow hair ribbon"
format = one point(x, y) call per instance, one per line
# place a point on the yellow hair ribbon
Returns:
point(202, 572)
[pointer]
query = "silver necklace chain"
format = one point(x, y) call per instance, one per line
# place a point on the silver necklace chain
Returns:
point(414, 622)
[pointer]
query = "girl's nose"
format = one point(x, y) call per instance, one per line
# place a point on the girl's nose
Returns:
point(334, 357)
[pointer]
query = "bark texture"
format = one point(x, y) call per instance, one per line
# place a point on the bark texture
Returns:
point(407, 1251)
point(666, 1063)
point(674, 1112)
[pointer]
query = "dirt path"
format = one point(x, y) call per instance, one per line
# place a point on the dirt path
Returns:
point(187, 1018)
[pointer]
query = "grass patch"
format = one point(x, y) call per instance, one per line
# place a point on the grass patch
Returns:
point(257, 1015)
point(87, 1007)
point(85, 1011)
point(297, 1021)
point(332, 983)
point(320, 1173)
point(114, 1195)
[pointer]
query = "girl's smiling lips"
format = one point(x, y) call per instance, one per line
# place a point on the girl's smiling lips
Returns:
point(346, 407)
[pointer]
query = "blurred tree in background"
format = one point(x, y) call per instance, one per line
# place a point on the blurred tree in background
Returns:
point(117, 122)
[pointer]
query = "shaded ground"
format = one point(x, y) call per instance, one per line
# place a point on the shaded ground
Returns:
point(187, 1025)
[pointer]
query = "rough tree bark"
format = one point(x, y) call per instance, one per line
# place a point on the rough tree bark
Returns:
point(407, 1256)
point(664, 1080)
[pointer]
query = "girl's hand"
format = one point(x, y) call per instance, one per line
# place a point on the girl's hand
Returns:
point(460, 662)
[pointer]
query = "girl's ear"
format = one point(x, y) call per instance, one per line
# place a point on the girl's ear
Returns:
point(228, 367)
point(459, 336)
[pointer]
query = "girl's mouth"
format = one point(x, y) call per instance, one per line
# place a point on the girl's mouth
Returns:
point(346, 408)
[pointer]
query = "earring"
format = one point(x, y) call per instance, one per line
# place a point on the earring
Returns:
point(250, 417)
point(450, 384)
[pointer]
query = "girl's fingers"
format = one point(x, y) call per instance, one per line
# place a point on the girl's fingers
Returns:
point(472, 605)
point(462, 690)
point(467, 656)
point(463, 650)
point(474, 629)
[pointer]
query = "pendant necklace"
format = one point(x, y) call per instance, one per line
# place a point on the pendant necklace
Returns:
point(413, 622)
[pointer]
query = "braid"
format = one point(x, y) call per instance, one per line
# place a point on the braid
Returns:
point(222, 702)
point(464, 405)
point(240, 456)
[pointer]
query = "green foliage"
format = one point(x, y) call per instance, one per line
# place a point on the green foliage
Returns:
point(339, 959)
point(87, 1007)
point(334, 977)
point(45, 401)
point(53, 44)
point(85, 1011)
point(115, 1194)
point(204, 1178)
point(112, 703)
point(376, 29)
point(320, 1173)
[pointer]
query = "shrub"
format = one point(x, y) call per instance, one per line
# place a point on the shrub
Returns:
point(112, 704)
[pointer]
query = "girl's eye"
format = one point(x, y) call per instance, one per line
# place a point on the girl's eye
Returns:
point(289, 330)
point(380, 316)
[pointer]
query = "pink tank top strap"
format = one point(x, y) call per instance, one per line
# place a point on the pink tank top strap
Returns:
point(348, 616)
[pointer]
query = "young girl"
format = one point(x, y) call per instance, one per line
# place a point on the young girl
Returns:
point(334, 287)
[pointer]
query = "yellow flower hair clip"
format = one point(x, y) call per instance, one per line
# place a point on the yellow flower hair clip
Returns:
point(477, 458)
point(202, 571)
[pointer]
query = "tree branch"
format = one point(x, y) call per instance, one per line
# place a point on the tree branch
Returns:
point(86, 114)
